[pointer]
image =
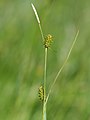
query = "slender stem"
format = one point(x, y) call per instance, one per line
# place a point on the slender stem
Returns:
point(41, 31)
point(60, 70)
point(45, 67)
point(45, 70)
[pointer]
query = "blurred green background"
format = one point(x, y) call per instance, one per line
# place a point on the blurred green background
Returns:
point(22, 59)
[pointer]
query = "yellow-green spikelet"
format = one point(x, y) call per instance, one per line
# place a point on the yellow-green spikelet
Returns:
point(48, 40)
point(41, 93)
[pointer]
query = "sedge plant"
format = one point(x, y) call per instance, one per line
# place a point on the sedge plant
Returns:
point(47, 43)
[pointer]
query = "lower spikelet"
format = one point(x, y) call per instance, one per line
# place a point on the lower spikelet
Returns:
point(41, 93)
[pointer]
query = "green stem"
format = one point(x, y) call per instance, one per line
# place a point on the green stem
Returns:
point(60, 70)
point(45, 68)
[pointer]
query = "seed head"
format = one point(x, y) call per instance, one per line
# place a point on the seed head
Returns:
point(41, 93)
point(48, 41)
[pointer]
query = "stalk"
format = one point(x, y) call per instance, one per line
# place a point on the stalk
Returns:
point(45, 64)
point(45, 69)
point(60, 70)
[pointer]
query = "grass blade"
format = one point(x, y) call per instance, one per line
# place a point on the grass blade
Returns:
point(60, 70)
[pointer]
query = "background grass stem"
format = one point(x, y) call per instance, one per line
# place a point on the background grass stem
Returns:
point(60, 70)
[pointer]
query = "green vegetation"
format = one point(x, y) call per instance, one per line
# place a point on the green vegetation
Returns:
point(21, 59)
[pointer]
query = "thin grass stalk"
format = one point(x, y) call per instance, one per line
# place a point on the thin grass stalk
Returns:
point(60, 70)
point(45, 63)
point(45, 75)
